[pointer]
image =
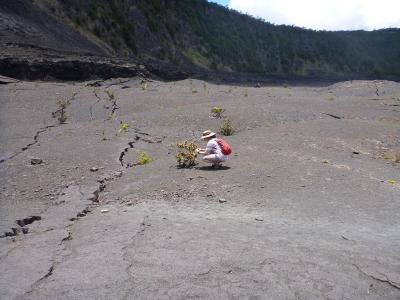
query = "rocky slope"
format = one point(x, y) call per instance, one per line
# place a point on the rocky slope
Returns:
point(86, 39)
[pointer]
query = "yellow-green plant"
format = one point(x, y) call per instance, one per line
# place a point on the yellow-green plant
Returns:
point(226, 128)
point(216, 112)
point(392, 156)
point(110, 94)
point(143, 158)
point(144, 86)
point(186, 155)
point(123, 127)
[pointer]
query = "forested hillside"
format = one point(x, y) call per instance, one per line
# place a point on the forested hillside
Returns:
point(186, 32)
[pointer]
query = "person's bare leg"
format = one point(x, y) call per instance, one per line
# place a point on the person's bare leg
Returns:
point(212, 159)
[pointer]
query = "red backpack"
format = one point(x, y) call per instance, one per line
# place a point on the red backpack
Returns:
point(225, 147)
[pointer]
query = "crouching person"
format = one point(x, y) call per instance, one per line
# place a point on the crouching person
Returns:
point(216, 151)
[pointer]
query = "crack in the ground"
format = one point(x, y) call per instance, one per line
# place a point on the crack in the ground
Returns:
point(117, 83)
point(125, 249)
point(333, 116)
point(50, 272)
point(35, 141)
point(27, 221)
point(376, 89)
point(386, 280)
point(137, 138)
point(65, 239)
point(68, 102)
point(21, 229)
point(92, 105)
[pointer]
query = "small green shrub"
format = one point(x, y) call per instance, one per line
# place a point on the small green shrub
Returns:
point(123, 127)
point(60, 113)
point(110, 94)
point(143, 158)
point(216, 112)
point(144, 86)
point(186, 155)
point(226, 128)
point(63, 117)
point(395, 157)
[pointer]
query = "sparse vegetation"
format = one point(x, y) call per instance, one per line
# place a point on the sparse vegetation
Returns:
point(186, 155)
point(61, 113)
point(216, 112)
point(226, 128)
point(395, 157)
point(143, 158)
point(110, 95)
point(113, 100)
point(123, 127)
point(144, 86)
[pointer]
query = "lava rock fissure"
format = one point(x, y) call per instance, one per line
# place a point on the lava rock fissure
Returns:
point(137, 138)
point(35, 140)
point(27, 221)
point(21, 229)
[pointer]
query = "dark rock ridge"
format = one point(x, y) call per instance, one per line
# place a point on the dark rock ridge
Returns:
point(68, 68)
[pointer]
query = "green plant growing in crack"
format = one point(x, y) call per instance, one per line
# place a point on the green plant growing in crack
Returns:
point(226, 128)
point(114, 105)
point(123, 127)
point(143, 158)
point(144, 86)
point(110, 94)
point(61, 113)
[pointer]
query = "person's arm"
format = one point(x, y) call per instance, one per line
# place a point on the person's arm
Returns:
point(202, 151)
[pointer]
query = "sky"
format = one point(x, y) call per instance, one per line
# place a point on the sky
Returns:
point(323, 14)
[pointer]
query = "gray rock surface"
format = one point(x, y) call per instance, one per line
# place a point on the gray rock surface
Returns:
point(311, 211)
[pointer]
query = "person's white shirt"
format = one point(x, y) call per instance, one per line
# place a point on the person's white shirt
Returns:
point(214, 148)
